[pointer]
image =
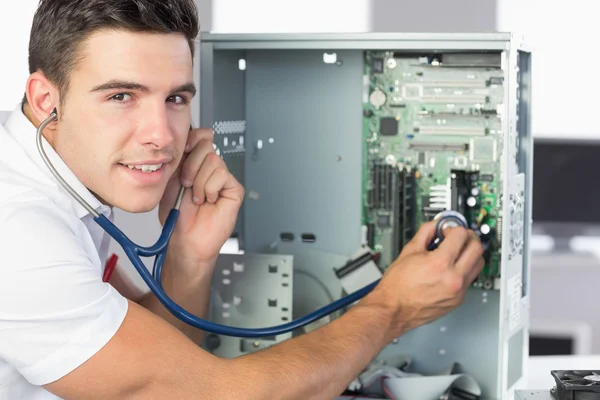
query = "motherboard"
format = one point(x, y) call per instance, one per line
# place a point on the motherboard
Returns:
point(432, 125)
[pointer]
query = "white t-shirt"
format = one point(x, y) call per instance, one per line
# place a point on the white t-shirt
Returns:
point(55, 311)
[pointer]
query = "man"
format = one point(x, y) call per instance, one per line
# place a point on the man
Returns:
point(119, 74)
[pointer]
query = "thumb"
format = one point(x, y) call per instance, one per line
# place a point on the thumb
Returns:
point(422, 239)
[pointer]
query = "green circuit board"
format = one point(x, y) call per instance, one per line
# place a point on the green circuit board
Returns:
point(432, 126)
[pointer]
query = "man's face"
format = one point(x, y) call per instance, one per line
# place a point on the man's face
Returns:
point(126, 116)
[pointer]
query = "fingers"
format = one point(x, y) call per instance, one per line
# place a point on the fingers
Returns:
point(193, 162)
point(462, 252)
point(215, 183)
point(452, 246)
point(470, 262)
point(420, 242)
point(196, 135)
point(212, 165)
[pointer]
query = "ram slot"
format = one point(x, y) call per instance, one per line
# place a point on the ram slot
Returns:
point(410, 206)
point(398, 182)
point(376, 185)
point(371, 192)
point(388, 187)
point(371, 235)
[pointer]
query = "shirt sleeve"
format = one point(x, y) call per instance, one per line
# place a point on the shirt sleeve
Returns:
point(55, 311)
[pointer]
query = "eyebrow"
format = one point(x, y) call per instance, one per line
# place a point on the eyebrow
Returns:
point(126, 85)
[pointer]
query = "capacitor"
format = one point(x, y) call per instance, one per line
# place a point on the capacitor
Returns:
point(485, 229)
point(471, 201)
point(475, 192)
point(390, 159)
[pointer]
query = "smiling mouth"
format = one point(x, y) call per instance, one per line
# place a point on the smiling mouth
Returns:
point(148, 168)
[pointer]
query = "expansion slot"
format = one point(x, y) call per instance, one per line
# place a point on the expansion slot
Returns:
point(438, 146)
point(451, 130)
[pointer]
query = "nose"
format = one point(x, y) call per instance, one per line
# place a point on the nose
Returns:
point(156, 132)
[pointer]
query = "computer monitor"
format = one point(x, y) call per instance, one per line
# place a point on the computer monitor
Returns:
point(565, 181)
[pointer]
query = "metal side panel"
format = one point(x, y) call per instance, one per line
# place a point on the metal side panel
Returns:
point(303, 158)
point(250, 291)
point(467, 336)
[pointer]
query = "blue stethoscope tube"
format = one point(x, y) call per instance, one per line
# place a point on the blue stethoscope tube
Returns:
point(159, 251)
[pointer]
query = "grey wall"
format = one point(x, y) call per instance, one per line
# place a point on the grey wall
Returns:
point(434, 15)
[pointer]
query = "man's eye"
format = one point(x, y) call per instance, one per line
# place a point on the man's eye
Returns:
point(121, 97)
point(177, 99)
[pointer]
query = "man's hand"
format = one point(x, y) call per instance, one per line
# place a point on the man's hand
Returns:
point(421, 285)
point(210, 205)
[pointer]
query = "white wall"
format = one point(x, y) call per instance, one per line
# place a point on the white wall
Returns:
point(563, 35)
point(449, 16)
point(15, 23)
point(260, 16)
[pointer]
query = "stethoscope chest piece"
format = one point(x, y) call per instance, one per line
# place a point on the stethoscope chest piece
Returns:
point(446, 219)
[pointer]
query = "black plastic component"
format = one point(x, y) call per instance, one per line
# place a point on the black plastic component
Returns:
point(409, 54)
point(572, 385)
point(353, 265)
point(486, 177)
point(459, 394)
point(212, 342)
point(286, 236)
point(371, 235)
point(368, 113)
point(461, 183)
point(383, 221)
point(410, 207)
point(309, 238)
point(459, 191)
point(382, 184)
point(495, 80)
point(405, 209)
point(388, 126)
point(377, 65)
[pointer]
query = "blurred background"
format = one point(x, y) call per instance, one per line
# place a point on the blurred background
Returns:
point(566, 242)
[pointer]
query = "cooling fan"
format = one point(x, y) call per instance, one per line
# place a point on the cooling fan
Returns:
point(576, 385)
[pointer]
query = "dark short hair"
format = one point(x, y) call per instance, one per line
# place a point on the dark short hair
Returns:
point(61, 26)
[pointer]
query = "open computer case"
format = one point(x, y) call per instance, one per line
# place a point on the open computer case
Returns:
point(345, 144)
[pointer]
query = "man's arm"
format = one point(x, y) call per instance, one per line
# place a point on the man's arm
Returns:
point(192, 293)
point(149, 358)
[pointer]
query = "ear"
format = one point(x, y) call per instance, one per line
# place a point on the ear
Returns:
point(42, 96)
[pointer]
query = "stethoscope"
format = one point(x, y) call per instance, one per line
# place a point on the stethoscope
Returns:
point(159, 251)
